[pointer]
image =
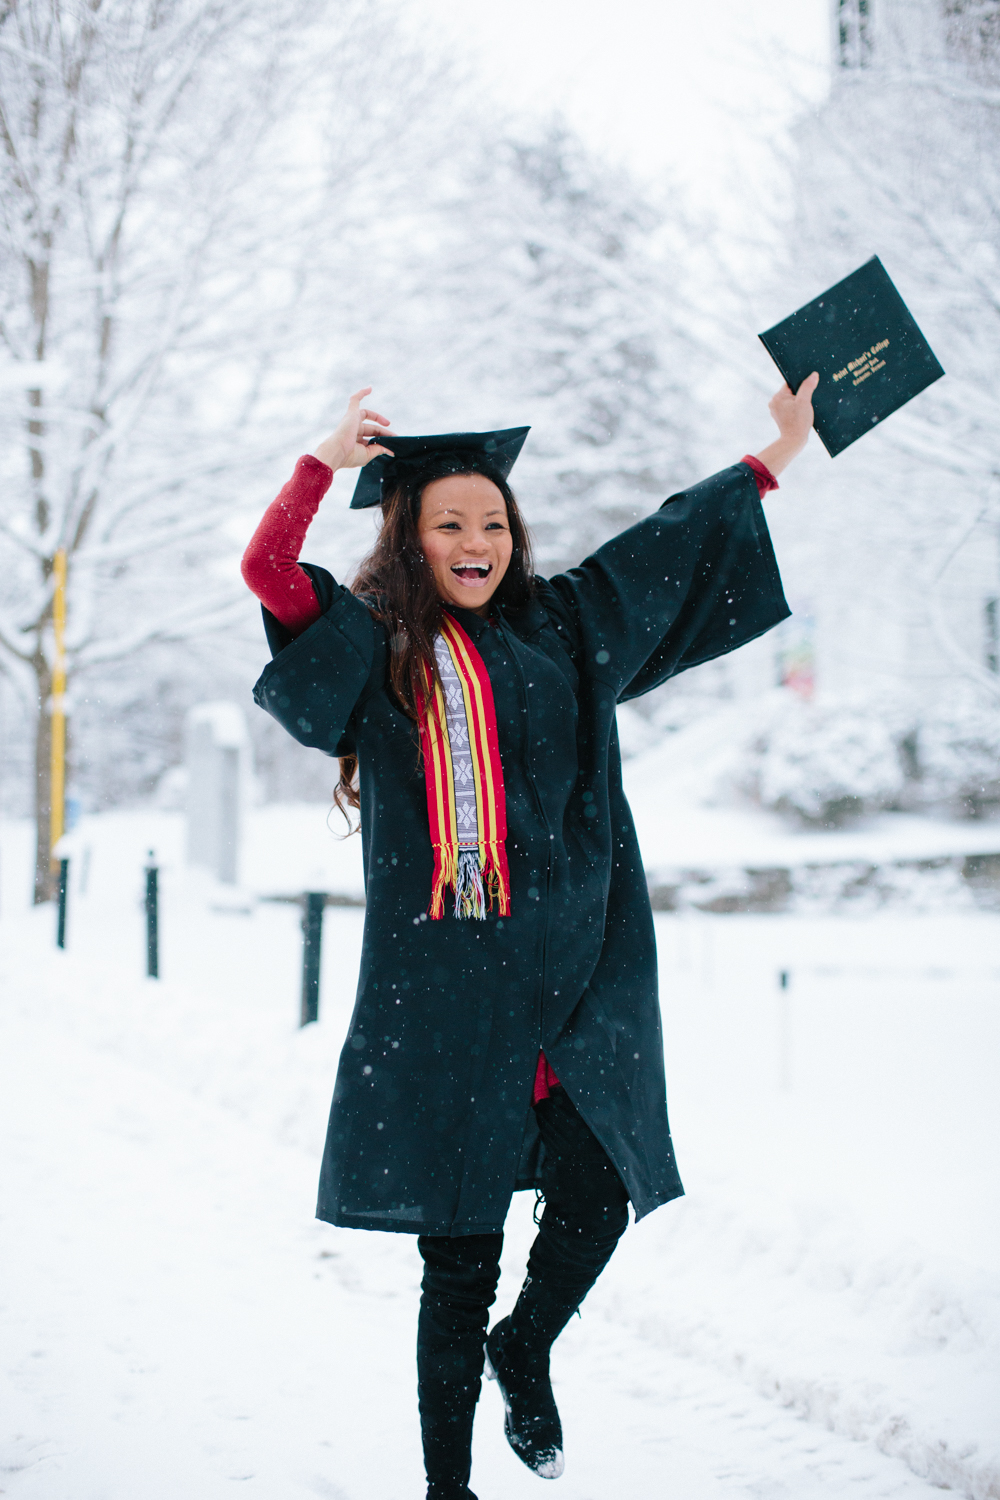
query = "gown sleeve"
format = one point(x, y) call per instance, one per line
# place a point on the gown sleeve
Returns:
point(696, 579)
point(315, 680)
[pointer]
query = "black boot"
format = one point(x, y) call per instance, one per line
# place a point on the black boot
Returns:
point(517, 1357)
point(586, 1211)
point(459, 1284)
point(531, 1418)
point(447, 1409)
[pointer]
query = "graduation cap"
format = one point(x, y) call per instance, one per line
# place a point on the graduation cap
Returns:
point(496, 450)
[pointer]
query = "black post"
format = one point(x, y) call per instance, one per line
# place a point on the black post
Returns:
point(63, 888)
point(784, 1031)
point(152, 920)
point(313, 903)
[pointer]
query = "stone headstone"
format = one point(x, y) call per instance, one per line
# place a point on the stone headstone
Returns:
point(218, 775)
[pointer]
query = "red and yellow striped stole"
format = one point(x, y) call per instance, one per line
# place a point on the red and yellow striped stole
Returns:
point(491, 879)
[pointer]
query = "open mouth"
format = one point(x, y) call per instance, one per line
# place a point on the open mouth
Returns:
point(473, 574)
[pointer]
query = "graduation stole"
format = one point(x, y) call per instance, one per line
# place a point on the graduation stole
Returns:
point(466, 805)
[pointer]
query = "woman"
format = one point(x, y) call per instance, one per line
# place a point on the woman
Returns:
point(506, 1032)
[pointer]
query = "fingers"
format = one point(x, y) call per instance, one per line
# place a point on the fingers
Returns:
point(370, 423)
point(365, 412)
point(804, 392)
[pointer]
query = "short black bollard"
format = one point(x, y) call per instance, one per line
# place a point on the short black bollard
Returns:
point(313, 903)
point(152, 920)
point(784, 1032)
point(63, 889)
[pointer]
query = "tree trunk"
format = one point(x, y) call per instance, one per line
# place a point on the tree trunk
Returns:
point(44, 882)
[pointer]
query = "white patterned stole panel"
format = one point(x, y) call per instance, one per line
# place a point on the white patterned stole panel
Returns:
point(461, 754)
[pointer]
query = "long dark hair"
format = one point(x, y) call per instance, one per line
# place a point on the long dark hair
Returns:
point(398, 586)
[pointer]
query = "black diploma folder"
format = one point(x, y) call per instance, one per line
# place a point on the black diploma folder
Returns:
point(870, 354)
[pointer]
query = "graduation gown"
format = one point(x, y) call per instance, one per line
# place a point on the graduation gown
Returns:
point(431, 1128)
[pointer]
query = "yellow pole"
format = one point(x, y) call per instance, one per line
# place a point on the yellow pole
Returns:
point(57, 776)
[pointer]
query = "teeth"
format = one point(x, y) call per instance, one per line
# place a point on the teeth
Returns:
point(477, 567)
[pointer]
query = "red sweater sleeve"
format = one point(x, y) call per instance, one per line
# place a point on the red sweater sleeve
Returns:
point(765, 479)
point(271, 562)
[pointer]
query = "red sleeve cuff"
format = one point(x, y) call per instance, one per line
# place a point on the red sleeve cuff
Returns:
point(765, 479)
point(320, 470)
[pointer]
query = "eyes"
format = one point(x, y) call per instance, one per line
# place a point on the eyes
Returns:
point(457, 526)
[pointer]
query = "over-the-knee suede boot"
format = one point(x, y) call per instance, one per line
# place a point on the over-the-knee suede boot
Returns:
point(447, 1409)
point(586, 1212)
point(458, 1289)
point(517, 1353)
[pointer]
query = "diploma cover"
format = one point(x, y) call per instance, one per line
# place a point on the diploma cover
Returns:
point(870, 354)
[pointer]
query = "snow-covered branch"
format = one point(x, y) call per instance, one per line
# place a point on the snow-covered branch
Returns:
point(197, 617)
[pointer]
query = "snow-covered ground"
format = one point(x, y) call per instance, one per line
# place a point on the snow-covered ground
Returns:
point(820, 1316)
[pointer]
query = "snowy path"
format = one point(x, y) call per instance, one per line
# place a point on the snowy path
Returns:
point(820, 1316)
point(176, 1324)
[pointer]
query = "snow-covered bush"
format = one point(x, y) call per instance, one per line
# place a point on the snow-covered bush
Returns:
point(958, 752)
point(828, 763)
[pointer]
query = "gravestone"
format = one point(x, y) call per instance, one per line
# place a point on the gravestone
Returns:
point(218, 776)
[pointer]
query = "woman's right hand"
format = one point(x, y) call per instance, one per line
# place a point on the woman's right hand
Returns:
point(347, 446)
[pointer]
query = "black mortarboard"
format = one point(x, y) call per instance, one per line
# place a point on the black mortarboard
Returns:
point(409, 454)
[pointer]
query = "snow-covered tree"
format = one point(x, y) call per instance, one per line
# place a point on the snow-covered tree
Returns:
point(218, 218)
point(904, 159)
point(169, 171)
point(535, 285)
point(897, 542)
point(583, 314)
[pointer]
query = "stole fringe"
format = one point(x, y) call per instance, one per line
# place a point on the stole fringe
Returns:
point(470, 898)
point(494, 860)
point(445, 876)
point(478, 877)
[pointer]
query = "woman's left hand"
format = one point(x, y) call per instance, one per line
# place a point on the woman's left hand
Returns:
point(793, 412)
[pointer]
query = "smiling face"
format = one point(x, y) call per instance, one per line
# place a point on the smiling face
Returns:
point(465, 536)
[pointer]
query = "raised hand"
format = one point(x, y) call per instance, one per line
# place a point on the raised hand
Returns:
point(793, 412)
point(349, 446)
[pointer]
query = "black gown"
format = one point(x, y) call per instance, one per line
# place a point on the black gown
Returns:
point(431, 1128)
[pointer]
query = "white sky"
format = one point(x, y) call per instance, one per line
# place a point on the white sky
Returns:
point(673, 88)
